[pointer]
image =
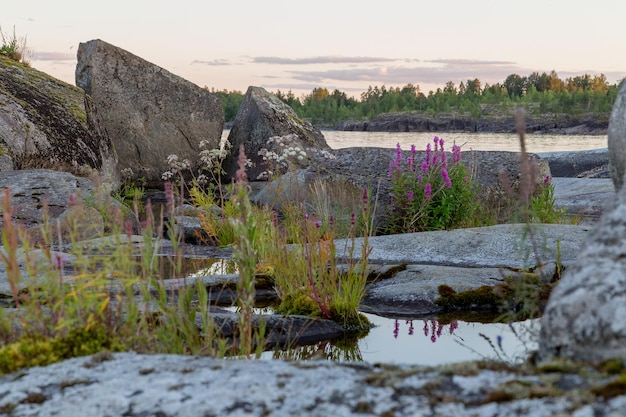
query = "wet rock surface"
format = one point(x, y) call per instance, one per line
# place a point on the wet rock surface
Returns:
point(169, 385)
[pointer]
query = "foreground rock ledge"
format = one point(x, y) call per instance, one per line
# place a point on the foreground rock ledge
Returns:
point(170, 385)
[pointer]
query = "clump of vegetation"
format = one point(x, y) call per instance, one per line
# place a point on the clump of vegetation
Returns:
point(13, 47)
point(433, 194)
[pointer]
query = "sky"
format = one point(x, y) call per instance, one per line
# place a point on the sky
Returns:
point(334, 44)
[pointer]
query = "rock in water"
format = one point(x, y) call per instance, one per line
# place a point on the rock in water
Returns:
point(584, 318)
point(617, 139)
point(260, 117)
point(148, 112)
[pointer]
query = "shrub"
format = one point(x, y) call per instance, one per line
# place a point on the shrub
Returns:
point(433, 195)
point(13, 47)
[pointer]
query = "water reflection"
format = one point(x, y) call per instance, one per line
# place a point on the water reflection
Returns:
point(436, 342)
point(424, 342)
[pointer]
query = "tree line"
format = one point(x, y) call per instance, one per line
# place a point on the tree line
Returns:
point(538, 93)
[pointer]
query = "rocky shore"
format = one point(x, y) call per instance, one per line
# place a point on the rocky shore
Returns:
point(418, 122)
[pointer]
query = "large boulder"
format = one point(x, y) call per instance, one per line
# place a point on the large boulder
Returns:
point(43, 124)
point(617, 139)
point(148, 112)
point(584, 318)
point(262, 116)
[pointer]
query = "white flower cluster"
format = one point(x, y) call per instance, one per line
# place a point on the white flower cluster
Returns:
point(287, 151)
point(212, 158)
point(127, 173)
point(176, 166)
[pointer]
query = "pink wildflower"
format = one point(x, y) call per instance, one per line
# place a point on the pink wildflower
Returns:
point(446, 178)
point(409, 195)
point(456, 154)
point(428, 191)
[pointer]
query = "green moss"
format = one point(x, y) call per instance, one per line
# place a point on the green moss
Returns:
point(485, 296)
point(612, 389)
point(299, 304)
point(30, 352)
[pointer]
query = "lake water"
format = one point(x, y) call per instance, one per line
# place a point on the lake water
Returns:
point(467, 141)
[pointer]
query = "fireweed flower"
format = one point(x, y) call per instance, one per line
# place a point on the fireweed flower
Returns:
point(413, 152)
point(446, 178)
point(429, 153)
point(428, 191)
point(456, 154)
point(425, 167)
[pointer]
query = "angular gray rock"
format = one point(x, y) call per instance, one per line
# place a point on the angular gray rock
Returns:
point(148, 112)
point(46, 123)
point(617, 139)
point(584, 318)
point(575, 163)
point(260, 117)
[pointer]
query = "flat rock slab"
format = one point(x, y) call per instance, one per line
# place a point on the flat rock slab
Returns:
point(414, 290)
point(128, 384)
point(587, 197)
point(505, 245)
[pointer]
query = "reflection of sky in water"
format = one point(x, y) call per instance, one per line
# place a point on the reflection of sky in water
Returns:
point(464, 344)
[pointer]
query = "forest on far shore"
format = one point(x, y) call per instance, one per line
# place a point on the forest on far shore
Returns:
point(537, 93)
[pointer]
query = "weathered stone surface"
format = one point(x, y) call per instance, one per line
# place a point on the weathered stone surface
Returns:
point(617, 139)
point(31, 189)
point(504, 245)
point(44, 124)
point(171, 385)
point(584, 197)
point(260, 117)
point(148, 112)
point(575, 163)
point(584, 318)
point(414, 290)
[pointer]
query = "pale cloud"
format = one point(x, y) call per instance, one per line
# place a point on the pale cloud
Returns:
point(319, 60)
point(53, 56)
point(215, 62)
point(429, 72)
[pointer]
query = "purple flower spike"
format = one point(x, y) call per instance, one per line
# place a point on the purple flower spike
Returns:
point(318, 223)
point(456, 154)
point(409, 195)
point(428, 191)
point(446, 178)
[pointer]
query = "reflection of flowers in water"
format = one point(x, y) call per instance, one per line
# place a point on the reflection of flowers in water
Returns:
point(432, 328)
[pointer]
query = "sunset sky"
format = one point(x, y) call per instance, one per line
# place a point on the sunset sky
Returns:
point(348, 45)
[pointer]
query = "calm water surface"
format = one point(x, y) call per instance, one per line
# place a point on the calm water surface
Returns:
point(467, 141)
